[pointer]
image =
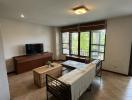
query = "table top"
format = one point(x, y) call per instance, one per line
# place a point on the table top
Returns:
point(46, 68)
point(74, 64)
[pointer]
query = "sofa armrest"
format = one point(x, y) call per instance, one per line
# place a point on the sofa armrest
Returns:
point(57, 88)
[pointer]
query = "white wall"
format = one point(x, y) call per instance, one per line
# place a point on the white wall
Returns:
point(17, 33)
point(118, 41)
point(57, 44)
point(118, 44)
point(4, 88)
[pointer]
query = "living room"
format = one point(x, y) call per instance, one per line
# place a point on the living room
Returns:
point(31, 22)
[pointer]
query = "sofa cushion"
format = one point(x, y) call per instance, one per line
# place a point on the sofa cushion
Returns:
point(79, 79)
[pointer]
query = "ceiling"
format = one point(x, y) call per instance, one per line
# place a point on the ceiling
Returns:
point(58, 12)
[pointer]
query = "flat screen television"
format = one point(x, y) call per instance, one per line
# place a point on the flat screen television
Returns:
point(34, 48)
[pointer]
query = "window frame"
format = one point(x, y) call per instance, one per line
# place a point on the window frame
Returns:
point(98, 44)
point(90, 43)
point(62, 43)
point(71, 43)
point(80, 43)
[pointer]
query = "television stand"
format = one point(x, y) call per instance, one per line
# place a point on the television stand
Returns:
point(28, 62)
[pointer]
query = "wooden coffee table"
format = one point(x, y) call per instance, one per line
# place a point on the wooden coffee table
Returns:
point(40, 73)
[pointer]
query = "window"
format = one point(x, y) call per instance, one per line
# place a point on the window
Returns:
point(84, 43)
point(93, 47)
point(65, 43)
point(97, 44)
point(74, 43)
point(87, 39)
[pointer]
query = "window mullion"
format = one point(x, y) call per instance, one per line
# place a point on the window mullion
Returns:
point(78, 43)
point(99, 43)
point(70, 43)
point(90, 39)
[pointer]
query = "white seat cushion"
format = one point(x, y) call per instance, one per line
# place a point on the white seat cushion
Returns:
point(79, 79)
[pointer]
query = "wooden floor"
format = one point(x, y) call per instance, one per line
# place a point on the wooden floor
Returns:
point(110, 87)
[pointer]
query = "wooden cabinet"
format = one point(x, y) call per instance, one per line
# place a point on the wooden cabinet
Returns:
point(28, 62)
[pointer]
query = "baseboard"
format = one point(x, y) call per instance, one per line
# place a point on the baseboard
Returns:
point(10, 72)
point(114, 72)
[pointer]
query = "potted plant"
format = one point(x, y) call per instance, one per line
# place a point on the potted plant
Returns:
point(49, 63)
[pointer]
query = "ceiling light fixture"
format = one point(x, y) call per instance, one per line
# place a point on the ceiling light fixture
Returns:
point(80, 10)
point(22, 16)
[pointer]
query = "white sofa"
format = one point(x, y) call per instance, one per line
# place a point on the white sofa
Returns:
point(77, 82)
